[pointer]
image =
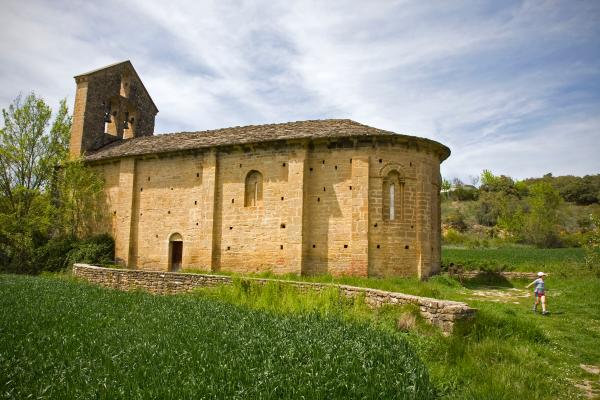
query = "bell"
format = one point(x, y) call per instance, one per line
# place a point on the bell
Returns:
point(126, 122)
point(106, 113)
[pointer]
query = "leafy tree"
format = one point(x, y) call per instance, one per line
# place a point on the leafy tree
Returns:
point(579, 190)
point(456, 220)
point(445, 186)
point(42, 195)
point(79, 189)
point(592, 246)
point(542, 221)
point(489, 208)
point(500, 183)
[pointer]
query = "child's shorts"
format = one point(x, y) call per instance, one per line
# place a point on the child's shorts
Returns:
point(540, 294)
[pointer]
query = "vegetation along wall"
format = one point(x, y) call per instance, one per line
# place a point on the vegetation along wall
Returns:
point(441, 313)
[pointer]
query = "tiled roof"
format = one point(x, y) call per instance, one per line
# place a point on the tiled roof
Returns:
point(315, 129)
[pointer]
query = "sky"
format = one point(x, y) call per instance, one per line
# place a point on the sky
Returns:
point(509, 86)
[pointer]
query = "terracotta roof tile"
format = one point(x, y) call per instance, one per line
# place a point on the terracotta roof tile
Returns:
point(314, 129)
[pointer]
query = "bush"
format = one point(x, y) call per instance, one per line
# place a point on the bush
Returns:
point(465, 193)
point(61, 252)
point(53, 255)
point(454, 237)
point(98, 249)
point(456, 220)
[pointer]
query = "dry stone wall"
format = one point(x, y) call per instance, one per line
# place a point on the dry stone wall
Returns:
point(441, 313)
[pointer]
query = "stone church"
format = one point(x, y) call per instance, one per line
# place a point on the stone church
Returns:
point(308, 197)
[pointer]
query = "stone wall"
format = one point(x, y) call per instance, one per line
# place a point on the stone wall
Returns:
point(321, 210)
point(441, 313)
point(118, 90)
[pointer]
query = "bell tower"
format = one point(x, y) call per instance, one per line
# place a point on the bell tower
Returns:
point(111, 104)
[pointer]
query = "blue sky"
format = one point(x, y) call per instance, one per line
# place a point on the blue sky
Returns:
point(511, 86)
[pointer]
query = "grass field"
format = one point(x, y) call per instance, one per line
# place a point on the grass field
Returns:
point(509, 352)
point(566, 261)
point(61, 339)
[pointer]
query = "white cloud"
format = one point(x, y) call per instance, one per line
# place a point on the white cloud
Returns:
point(494, 81)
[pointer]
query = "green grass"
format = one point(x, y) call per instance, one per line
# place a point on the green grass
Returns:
point(563, 261)
point(62, 339)
point(249, 340)
point(508, 352)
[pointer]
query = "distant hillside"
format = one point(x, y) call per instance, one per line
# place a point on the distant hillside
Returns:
point(545, 212)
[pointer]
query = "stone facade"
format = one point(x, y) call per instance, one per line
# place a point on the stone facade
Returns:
point(110, 104)
point(309, 197)
point(441, 313)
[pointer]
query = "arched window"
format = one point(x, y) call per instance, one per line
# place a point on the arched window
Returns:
point(393, 193)
point(254, 189)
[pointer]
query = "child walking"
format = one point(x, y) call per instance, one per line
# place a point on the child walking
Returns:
point(539, 292)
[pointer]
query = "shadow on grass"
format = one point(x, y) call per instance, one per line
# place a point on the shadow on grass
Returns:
point(487, 280)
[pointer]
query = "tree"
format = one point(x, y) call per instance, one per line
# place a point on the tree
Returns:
point(592, 245)
point(541, 223)
point(446, 186)
point(41, 194)
point(78, 191)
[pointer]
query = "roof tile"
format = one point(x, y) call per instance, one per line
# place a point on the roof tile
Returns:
point(313, 129)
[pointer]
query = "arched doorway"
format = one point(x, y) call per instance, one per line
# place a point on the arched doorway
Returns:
point(175, 252)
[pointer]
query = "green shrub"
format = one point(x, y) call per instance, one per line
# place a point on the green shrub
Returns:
point(454, 237)
point(456, 220)
point(62, 252)
point(53, 255)
point(98, 249)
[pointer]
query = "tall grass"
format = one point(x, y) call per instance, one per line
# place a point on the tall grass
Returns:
point(507, 352)
point(64, 340)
